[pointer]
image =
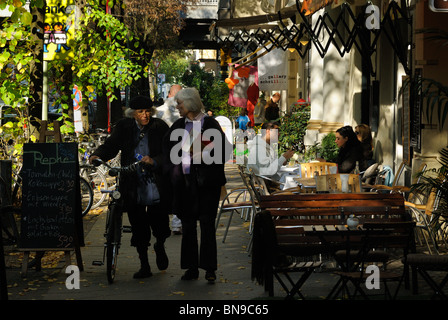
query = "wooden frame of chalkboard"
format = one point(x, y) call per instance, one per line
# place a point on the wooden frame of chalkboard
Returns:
point(51, 200)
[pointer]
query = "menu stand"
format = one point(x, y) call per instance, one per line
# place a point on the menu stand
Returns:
point(43, 134)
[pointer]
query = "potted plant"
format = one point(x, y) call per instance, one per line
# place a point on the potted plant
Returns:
point(328, 148)
point(293, 128)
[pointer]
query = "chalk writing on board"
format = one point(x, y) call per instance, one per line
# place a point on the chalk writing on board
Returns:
point(40, 159)
point(49, 195)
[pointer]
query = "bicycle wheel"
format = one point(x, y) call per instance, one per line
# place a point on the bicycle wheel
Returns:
point(86, 195)
point(113, 239)
point(98, 180)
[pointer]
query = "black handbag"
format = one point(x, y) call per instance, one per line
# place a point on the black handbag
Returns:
point(147, 191)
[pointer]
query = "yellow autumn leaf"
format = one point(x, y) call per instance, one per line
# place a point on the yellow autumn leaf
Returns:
point(17, 3)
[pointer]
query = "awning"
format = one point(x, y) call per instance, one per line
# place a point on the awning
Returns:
point(343, 29)
point(284, 13)
point(308, 7)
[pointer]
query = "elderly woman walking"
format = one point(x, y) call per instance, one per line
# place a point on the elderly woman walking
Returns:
point(197, 182)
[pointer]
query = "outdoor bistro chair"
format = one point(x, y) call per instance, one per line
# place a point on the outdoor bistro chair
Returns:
point(381, 186)
point(429, 224)
point(379, 236)
point(249, 203)
point(269, 260)
point(308, 169)
point(421, 214)
point(424, 264)
point(339, 182)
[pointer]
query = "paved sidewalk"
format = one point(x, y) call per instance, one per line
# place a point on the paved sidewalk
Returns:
point(233, 275)
point(233, 283)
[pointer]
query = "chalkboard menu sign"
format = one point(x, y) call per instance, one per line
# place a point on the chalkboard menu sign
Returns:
point(51, 204)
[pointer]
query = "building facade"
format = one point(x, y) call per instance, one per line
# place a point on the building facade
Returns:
point(352, 60)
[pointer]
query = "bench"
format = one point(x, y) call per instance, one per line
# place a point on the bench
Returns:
point(279, 229)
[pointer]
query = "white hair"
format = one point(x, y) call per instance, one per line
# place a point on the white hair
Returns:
point(191, 99)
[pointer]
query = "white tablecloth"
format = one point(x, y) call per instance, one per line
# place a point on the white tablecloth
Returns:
point(287, 175)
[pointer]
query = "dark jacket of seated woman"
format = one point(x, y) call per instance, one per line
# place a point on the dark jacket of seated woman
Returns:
point(350, 151)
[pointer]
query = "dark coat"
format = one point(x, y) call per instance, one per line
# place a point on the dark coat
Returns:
point(208, 175)
point(124, 137)
point(272, 111)
point(347, 158)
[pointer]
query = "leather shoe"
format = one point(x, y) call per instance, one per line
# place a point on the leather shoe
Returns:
point(161, 257)
point(210, 276)
point(143, 273)
point(191, 274)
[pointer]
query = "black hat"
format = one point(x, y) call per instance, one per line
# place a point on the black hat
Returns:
point(140, 102)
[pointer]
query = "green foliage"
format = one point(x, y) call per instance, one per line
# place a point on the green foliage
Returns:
point(218, 97)
point(328, 148)
point(173, 65)
point(102, 59)
point(16, 57)
point(293, 129)
point(214, 92)
point(101, 63)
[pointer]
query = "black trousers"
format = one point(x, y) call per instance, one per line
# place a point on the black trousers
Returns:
point(146, 221)
point(200, 204)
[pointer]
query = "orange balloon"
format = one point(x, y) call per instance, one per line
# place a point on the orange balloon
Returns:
point(231, 82)
point(243, 72)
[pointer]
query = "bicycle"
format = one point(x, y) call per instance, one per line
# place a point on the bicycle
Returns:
point(96, 176)
point(114, 219)
point(86, 196)
point(86, 192)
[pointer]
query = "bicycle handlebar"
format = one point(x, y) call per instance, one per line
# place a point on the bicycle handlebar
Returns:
point(113, 171)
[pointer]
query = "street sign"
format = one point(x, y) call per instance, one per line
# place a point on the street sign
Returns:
point(156, 63)
point(161, 77)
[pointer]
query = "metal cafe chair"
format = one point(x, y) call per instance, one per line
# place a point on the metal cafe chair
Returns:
point(250, 203)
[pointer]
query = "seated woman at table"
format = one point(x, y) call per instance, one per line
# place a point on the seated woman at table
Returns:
point(262, 157)
point(364, 135)
point(350, 151)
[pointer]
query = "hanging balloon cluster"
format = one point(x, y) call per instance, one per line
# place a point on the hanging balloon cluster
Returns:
point(243, 72)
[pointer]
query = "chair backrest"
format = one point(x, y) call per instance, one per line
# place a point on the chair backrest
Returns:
point(388, 235)
point(248, 180)
point(430, 197)
point(415, 196)
point(399, 172)
point(307, 169)
point(259, 181)
point(339, 183)
point(332, 208)
point(385, 175)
